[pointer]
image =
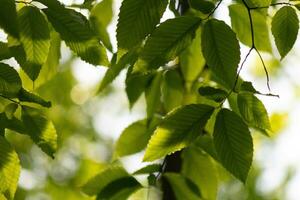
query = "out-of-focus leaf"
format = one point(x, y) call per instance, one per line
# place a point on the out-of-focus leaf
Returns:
point(153, 95)
point(4, 51)
point(136, 136)
point(191, 60)
point(9, 170)
point(200, 168)
point(241, 25)
point(183, 187)
point(172, 89)
point(10, 109)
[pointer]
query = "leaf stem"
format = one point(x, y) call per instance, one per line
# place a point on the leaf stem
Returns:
point(14, 101)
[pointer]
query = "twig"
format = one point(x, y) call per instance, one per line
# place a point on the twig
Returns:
point(213, 11)
point(14, 101)
point(265, 69)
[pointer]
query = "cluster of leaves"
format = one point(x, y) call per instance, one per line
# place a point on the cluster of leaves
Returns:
point(187, 67)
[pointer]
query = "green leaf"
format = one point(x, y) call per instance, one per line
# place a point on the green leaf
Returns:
point(9, 169)
point(191, 60)
point(135, 137)
point(96, 184)
point(114, 70)
point(233, 143)
point(100, 17)
point(75, 30)
point(241, 25)
point(10, 109)
point(26, 96)
point(221, 51)
point(248, 87)
point(253, 111)
point(200, 168)
point(12, 123)
point(285, 26)
point(4, 51)
point(10, 82)
point(8, 17)
point(167, 41)
point(35, 38)
point(183, 187)
point(172, 90)
point(153, 95)
point(119, 189)
point(137, 19)
point(202, 5)
point(179, 128)
point(212, 93)
point(149, 169)
point(136, 84)
point(40, 129)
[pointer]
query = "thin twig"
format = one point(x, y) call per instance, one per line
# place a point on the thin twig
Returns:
point(213, 11)
point(7, 98)
point(265, 69)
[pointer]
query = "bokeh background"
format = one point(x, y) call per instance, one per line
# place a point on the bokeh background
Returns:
point(89, 125)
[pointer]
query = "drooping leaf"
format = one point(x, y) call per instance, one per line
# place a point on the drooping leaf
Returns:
point(172, 90)
point(135, 137)
point(221, 51)
point(233, 144)
point(100, 17)
point(35, 38)
point(137, 19)
point(149, 169)
point(241, 25)
point(119, 189)
point(9, 169)
point(153, 95)
point(212, 93)
point(253, 111)
point(26, 96)
point(8, 17)
point(40, 129)
point(75, 30)
point(167, 41)
point(180, 127)
point(183, 187)
point(96, 184)
point(200, 168)
point(191, 60)
point(10, 82)
point(136, 84)
point(285, 26)
point(114, 70)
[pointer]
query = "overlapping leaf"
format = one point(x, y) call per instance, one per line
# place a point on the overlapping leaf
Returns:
point(253, 111)
point(137, 19)
point(180, 127)
point(75, 30)
point(233, 143)
point(167, 41)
